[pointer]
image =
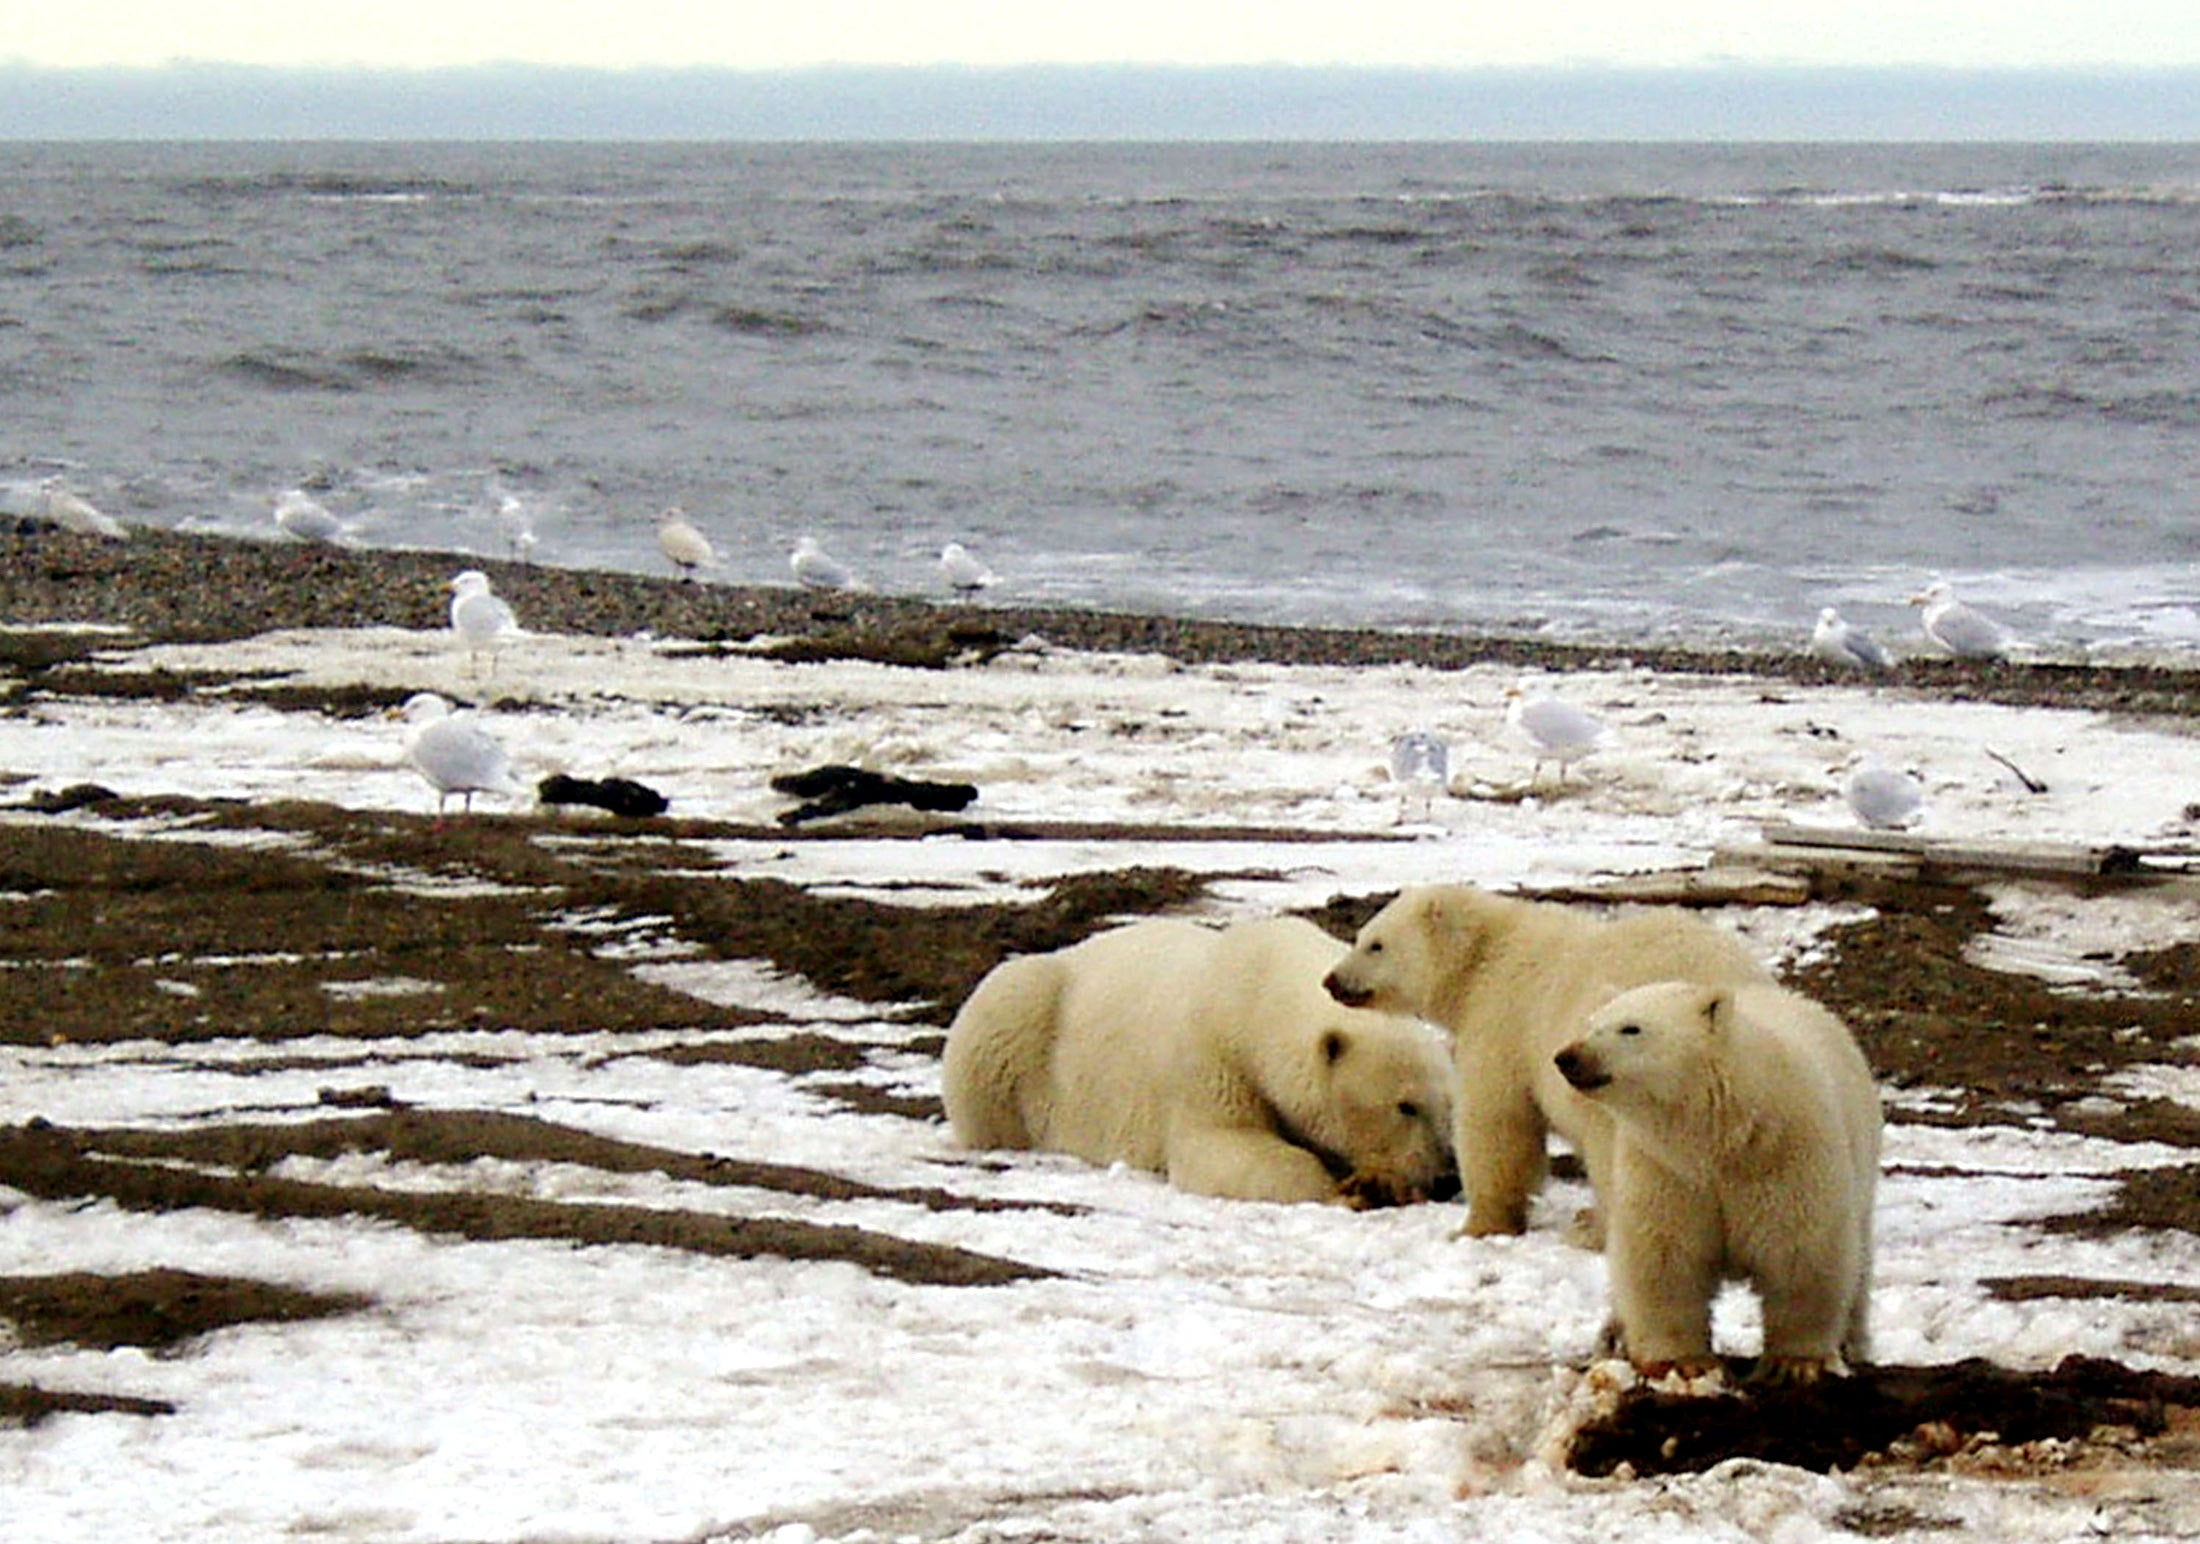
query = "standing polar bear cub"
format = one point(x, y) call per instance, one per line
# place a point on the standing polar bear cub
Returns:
point(1210, 1055)
point(1745, 1145)
point(1512, 981)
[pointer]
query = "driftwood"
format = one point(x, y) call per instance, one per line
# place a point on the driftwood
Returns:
point(1736, 886)
point(1835, 850)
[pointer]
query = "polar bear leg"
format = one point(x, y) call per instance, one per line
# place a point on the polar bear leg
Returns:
point(1663, 1254)
point(1500, 1137)
point(1246, 1164)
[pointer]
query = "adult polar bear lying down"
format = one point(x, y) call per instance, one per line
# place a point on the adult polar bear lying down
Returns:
point(1210, 1055)
point(1513, 981)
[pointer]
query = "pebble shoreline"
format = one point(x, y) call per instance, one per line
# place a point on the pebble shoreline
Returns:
point(173, 586)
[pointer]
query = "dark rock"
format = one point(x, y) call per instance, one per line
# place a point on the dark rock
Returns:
point(619, 795)
point(835, 790)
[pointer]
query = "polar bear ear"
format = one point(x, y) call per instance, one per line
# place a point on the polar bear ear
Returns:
point(1335, 1042)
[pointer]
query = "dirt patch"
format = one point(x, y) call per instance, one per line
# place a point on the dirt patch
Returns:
point(26, 1404)
point(158, 1310)
point(123, 1168)
point(1970, 1417)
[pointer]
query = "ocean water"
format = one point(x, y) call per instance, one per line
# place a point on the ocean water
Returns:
point(1610, 391)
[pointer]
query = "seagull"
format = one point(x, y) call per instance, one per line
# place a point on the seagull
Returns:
point(299, 514)
point(1420, 762)
point(518, 519)
point(1836, 642)
point(686, 547)
point(480, 619)
point(74, 513)
point(817, 569)
point(1558, 731)
point(1963, 632)
point(961, 570)
point(453, 752)
point(1884, 798)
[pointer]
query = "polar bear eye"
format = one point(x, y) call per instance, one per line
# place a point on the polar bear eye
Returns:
point(1375, 946)
point(1630, 1029)
point(1409, 1109)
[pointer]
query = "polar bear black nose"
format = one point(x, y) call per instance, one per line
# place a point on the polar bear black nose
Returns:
point(1344, 991)
point(1579, 1070)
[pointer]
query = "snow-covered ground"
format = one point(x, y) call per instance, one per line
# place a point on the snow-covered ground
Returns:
point(1196, 1369)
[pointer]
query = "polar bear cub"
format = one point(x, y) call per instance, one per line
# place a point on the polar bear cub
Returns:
point(1212, 1056)
point(1745, 1146)
point(1512, 981)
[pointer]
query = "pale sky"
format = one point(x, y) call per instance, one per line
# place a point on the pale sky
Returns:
point(778, 33)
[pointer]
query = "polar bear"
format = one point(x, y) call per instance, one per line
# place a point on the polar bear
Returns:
point(1210, 1055)
point(1745, 1146)
point(1512, 981)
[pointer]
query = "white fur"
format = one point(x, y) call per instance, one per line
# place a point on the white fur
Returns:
point(1212, 1056)
point(1745, 1146)
point(1512, 981)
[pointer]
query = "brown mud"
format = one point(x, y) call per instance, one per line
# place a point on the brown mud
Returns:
point(125, 925)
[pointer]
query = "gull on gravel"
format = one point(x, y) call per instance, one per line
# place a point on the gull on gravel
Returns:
point(1884, 798)
point(683, 545)
point(480, 619)
point(1555, 730)
point(1962, 631)
point(73, 512)
point(816, 569)
point(453, 752)
point(961, 570)
point(301, 516)
point(1839, 642)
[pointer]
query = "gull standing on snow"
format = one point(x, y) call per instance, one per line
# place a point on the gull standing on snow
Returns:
point(1556, 731)
point(453, 752)
point(1963, 632)
point(961, 570)
point(816, 569)
point(1884, 798)
point(683, 545)
point(1836, 642)
point(480, 619)
point(74, 513)
point(298, 514)
point(1420, 764)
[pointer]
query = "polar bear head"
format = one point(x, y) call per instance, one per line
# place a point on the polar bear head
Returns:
point(1416, 952)
point(1650, 1047)
point(1383, 1107)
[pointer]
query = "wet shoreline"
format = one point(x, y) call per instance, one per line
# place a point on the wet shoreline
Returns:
point(167, 586)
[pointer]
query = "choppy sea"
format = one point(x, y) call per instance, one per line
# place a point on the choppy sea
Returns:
point(1683, 392)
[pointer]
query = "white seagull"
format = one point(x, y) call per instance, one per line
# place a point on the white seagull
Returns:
point(1420, 764)
point(1884, 798)
point(683, 545)
point(1838, 643)
point(817, 569)
point(1963, 632)
point(74, 513)
point(961, 570)
point(298, 514)
point(480, 619)
point(517, 517)
point(453, 752)
point(1556, 731)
